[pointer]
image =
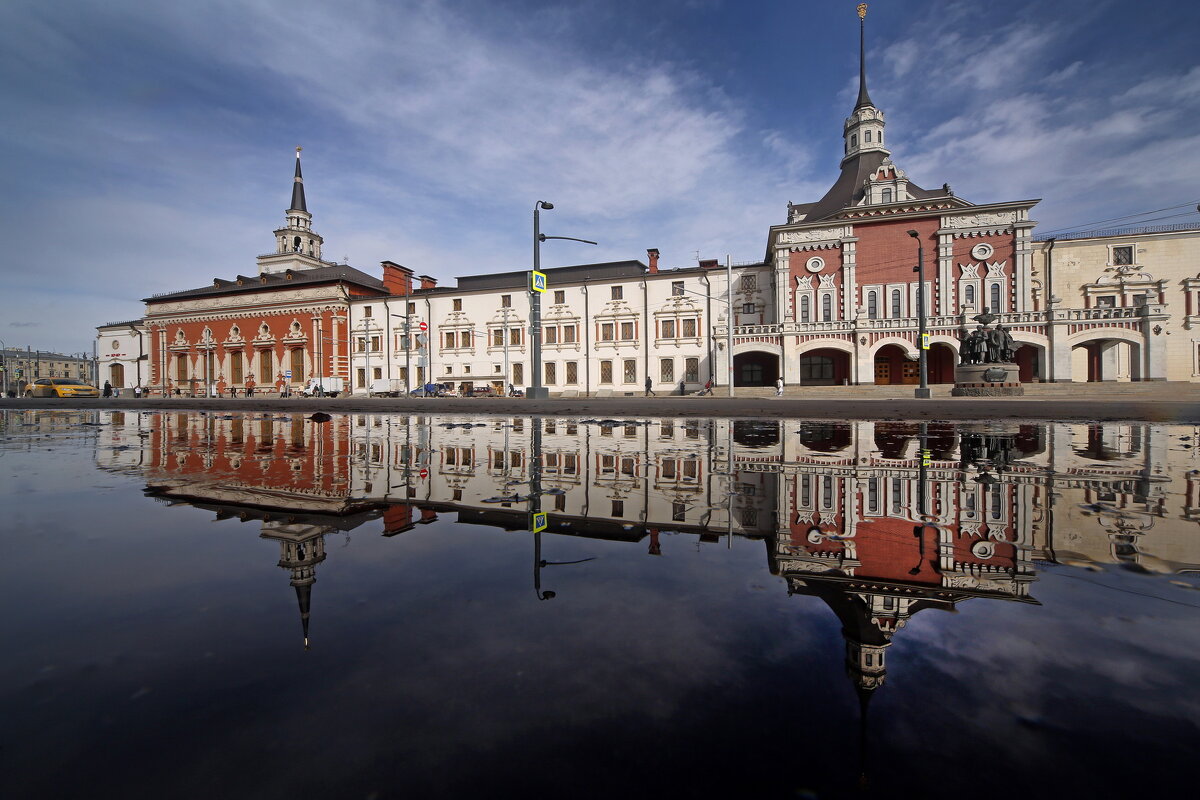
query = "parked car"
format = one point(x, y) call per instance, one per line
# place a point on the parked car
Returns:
point(61, 387)
point(484, 391)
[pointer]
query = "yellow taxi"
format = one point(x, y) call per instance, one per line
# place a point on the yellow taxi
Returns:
point(61, 387)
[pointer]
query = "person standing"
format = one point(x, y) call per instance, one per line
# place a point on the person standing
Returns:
point(107, 389)
point(779, 387)
point(649, 385)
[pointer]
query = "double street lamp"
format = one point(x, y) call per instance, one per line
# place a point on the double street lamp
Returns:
point(537, 391)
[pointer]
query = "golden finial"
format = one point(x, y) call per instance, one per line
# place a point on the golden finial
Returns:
point(299, 148)
point(862, 10)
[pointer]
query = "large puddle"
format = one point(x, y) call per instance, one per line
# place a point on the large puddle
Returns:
point(266, 605)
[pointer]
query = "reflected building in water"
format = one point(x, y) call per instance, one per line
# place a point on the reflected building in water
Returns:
point(879, 520)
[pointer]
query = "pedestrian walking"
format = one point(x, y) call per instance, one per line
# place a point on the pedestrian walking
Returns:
point(107, 389)
point(779, 387)
point(137, 392)
point(649, 384)
point(708, 386)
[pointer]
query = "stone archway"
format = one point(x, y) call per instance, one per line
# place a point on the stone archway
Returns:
point(755, 368)
point(941, 362)
point(824, 366)
point(1106, 360)
point(893, 367)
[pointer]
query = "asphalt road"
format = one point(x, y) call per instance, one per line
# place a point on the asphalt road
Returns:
point(937, 408)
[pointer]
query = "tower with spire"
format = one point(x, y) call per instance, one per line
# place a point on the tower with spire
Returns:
point(297, 245)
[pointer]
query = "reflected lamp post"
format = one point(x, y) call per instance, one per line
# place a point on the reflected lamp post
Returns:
point(923, 390)
point(537, 391)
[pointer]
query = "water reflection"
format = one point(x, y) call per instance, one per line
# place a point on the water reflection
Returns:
point(702, 583)
point(880, 520)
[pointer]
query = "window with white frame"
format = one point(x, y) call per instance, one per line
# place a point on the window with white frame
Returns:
point(826, 307)
point(896, 299)
point(630, 371)
point(606, 331)
point(872, 305)
point(805, 312)
point(1122, 255)
point(689, 328)
point(627, 330)
point(617, 293)
point(668, 329)
point(666, 370)
point(506, 301)
point(749, 283)
point(560, 297)
point(606, 372)
point(677, 288)
point(691, 370)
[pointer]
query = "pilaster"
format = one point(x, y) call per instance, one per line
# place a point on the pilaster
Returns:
point(849, 281)
point(946, 288)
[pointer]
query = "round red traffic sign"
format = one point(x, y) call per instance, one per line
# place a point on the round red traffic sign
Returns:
point(423, 326)
point(424, 473)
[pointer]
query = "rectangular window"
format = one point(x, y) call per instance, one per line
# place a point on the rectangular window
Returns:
point(569, 334)
point(677, 288)
point(497, 338)
point(360, 344)
point(748, 308)
point(666, 370)
point(181, 366)
point(606, 332)
point(560, 297)
point(550, 336)
point(630, 371)
point(297, 365)
point(378, 372)
point(606, 375)
point(412, 308)
point(626, 330)
point(367, 311)
point(572, 372)
point(457, 304)
point(1122, 255)
point(689, 329)
point(464, 339)
point(551, 373)
point(617, 293)
point(450, 340)
point(691, 370)
point(749, 283)
point(518, 374)
point(376, 343)
point(506, 301)
point(668, 329)
point(235, 367)
point(618, 508)
point(265, 370)
point(514, 336)
point(1106, 301)
point(361, 378)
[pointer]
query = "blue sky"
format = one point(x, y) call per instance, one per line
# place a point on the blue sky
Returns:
point(148, 146)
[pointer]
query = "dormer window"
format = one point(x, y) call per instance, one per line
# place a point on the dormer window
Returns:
point(887, 196)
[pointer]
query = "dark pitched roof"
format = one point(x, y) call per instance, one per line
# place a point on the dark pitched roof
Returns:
point(848, 189)
point(298, 188)
point(275, 280)
point(611, 270)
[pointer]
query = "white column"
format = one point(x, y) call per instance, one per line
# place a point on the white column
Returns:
point(947, 303)
point(849, 279)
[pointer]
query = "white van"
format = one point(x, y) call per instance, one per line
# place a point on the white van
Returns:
point(386, 387)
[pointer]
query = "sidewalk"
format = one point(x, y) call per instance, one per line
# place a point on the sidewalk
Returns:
point(1153, 402)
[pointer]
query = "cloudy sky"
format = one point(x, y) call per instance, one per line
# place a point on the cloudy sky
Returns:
point(147, 146)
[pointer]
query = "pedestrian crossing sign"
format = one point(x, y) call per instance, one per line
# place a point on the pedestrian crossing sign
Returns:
point(538, 522)
point(537, 281)
point(924, 341)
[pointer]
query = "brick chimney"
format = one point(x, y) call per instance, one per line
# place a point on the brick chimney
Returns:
point(709, 263)
point(428, 282)
point(652, 253)
point(397, 279)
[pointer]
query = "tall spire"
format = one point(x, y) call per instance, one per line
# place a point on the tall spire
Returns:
point(864, 99)
point(298, 188)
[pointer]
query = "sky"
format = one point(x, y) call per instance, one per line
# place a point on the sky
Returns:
point(148, 147)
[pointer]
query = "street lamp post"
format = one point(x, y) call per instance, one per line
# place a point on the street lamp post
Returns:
point(537, 391)
point(407, 353)
point(367, 354)
point(923, 390)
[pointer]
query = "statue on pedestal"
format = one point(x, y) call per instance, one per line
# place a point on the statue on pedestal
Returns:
point(987, 346)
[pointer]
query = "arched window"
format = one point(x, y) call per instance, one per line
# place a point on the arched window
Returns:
point(804, 311)
point(826, 308)
point(995, 298)
point(872, 305)
point(895, 303)
point(969, 296)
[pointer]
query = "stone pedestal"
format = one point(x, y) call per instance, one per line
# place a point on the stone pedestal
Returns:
point(987, 380)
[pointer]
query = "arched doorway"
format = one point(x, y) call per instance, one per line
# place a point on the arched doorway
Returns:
point(892, 367)
point(941, 361)
point(116, 375)
point(824, 367)
point(755, 368)
point(1106, 360)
